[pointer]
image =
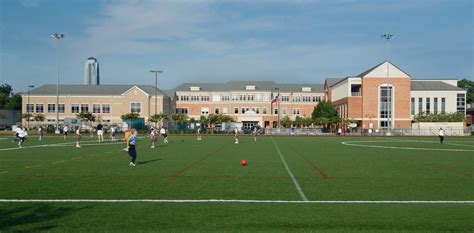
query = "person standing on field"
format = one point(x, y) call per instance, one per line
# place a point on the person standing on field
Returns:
point(22, 137)
point(112, 133)
point(441, 135)
point(40, 132)
point(78, 137)
point(100, 133)
point(65, 129)
point(163, 134)
point(131, 144)
point(236, 135)
point(153, 137)
point(198, 133)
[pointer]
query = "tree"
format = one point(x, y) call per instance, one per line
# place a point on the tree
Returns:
point(130, 116)
point(158, 118)
point(9, 100)
point(286, 122)
point(39, 117)
point(308, 121)
point(299, 121)
point(179, 118)
point(443, 117)
point(86, 116)
point(469, 87)
point(14, 103)
point(325, 114)
point(27, 116)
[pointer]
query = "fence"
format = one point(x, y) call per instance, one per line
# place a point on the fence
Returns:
point(367, 132)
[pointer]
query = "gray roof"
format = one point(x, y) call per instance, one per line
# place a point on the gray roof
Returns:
point(417, 85)
point(92, 89)
point(259, 86)
point(333, 81)
point(373, 68)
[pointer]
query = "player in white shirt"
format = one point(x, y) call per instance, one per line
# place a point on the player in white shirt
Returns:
point(236, 135)
point(198, 133)
point(78, 136)
point(112, 133)
point(441, 135)
point(255, 132)
point(17, 132)
point(163, 134)
point(22, 136)
point(40, 132)
point(65, 129)
point(153, 137)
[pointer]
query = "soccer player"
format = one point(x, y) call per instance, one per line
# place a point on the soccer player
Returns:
point(65, 129)
point(100, 133)
point(78, 136)
point(40, 132)
point(17, 132)
point(198, 133)
point(22, 136)
point(131, 143)
point(163, 134)
point(236, 135)
point(153, 137)
point(441, 135)
point(112, 133)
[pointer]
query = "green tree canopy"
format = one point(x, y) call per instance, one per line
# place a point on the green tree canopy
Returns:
point(469, 87)
point(325, 114)
point(443, 117)
point(86, 116)
point(179, 118)
point(39, 117)
point(8, 99)
point(130, 116)
point(286, 122)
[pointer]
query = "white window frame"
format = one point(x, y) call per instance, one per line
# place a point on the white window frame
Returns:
point(139, 104)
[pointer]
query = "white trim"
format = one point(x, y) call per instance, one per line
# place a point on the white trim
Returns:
point(135, 86)
point(239, 201)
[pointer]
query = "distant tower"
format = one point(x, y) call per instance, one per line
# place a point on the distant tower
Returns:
point(91, 72)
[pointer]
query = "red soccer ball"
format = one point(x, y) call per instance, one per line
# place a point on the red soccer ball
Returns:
point(244, 162)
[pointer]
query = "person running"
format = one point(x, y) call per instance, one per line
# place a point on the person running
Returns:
point(100, 133)
point(163, 134)
point(131, 143)
point(198, 133)
point(40, 132)
point(65, 129)
point(236, 135)
point(255, 132)
point(17, 132)
point(153, 137)
point(112, 133)
point(441, 135)
point(22, 137)
point(78, 137)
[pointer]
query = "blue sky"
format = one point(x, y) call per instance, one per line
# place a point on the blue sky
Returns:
point(300, 41)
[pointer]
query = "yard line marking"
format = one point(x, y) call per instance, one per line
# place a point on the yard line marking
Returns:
point(32, 166)
point(3, 172)
point(58, 145)
point(303, 197)
point(239, 201)
point(188, 167)
point(61, 161)
point(430, 142)
point(352, 143)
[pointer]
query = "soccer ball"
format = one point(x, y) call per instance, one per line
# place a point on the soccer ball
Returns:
point(244, 162)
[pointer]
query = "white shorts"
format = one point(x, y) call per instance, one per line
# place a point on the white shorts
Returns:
point(100, 132)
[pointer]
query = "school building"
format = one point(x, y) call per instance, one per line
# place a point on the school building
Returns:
point(106, 102)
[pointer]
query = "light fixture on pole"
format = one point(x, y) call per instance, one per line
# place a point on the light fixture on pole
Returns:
point(57, 36)
point(28, 105)
point(156, 87)
point(388, 37)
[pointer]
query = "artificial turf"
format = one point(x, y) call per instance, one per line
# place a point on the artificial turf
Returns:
point(370, 169)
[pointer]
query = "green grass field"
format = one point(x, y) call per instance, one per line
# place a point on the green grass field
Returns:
point(288, 185)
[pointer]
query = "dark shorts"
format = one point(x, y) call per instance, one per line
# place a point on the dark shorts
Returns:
point(132, 151)
point(16, 134)
point(65, 133)
point(22, 139)
point(164, 135)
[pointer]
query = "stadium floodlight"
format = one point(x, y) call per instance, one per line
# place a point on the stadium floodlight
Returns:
point(57, 36)
point(156, 87)
point(387, 37)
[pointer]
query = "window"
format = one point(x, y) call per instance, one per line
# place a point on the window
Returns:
point(61, 108)
point(29, 108)
point(204, 111)
point(420, 105)
point(296, 111)
point(316, 98)
point(435, 105)
point(385, 111)
point(182, 110)
point(205, 98)
point(235, 97)
point(216, 98)
point(443, 105)
point(258, 97)
point(216, 110)
point(135, 107)
point(242, 97)
point(84, 108)
point(283, 111)
point(236, 110)
point(256, 110)
point(264, 110)
point(461, 103)
point(51, 108)
point(225, 98)
point(285, 98)
point(306, 98)
point(428, 106)
point(250, 97)
point(296, 98)
point(184, 98)
point(266, 97)
point(194, 98)
point(275, 111)
point(105, 108)
point(39, 108)
point(74, 108)
point(96, 108)
point(412, 105)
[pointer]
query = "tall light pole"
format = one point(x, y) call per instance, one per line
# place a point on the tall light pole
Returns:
point(278, 106)
point(27, 105)
point(156, 87)
point(387, 37)
point(57, 36)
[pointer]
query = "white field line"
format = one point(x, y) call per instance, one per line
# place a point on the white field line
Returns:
point(353, 143)
point(60, 161)
point(300, 191)
point(3, 172)
point(32, 166)
point(233, 201)
point(60, 144)
point(430, 142)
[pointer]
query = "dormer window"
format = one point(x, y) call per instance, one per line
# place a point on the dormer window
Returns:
point(195, 88)
point(250, 87)
point(306, 89)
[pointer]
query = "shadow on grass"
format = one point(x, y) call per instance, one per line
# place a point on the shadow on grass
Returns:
point(32, 218)
point(148, 161)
